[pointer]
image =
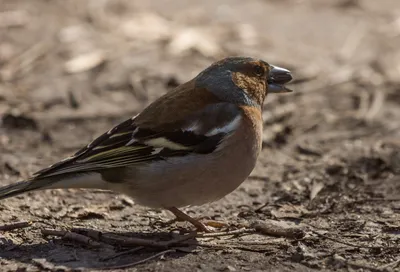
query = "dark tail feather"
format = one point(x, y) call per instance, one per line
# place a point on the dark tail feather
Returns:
point(53, 182)
point(15, 189)
point(24, 187)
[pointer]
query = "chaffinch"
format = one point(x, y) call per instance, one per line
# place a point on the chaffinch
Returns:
point(191, 146)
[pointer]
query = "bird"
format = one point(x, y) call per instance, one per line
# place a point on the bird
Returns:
point(192, 146)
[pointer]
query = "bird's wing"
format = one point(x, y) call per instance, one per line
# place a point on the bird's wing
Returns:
point(131, 142)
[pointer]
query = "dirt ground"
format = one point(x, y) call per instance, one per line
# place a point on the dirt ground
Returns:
point(330, 164)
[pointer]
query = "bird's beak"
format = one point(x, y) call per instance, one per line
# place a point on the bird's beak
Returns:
point(277, 79)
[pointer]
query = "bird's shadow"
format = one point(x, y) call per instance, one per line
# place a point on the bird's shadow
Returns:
point(57, 253)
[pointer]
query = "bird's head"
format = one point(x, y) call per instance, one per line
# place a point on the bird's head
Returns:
point(243, 80)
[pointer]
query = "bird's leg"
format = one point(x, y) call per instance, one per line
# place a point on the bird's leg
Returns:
point(184, 217)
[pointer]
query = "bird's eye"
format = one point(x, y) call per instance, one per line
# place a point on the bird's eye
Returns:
point(259, 71)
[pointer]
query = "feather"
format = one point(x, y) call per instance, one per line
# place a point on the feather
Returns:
point(128, 144)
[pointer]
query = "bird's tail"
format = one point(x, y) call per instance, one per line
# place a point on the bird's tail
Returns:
point(89, 180)
point(19, 188)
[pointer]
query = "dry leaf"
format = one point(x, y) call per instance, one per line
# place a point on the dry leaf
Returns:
point(316, 188)
point(194, 39)
point(148, 27)
point(85, 62)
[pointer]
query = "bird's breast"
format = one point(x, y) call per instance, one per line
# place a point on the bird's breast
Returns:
point(197, 179)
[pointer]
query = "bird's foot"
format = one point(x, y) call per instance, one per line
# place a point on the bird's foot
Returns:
point(201, 227)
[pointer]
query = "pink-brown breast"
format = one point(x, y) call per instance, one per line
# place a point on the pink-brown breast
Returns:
point(253, 124)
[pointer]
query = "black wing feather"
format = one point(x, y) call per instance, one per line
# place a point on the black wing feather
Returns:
point(126, 144)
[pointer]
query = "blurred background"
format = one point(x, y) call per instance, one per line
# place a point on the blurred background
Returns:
point(71, 69)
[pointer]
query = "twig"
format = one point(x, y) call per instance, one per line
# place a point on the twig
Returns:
point(180, 239)
point(278, 231)
point(130, 251)
point(126, 241)
point(130, 241)
point(262, 243)
point(259, 209)
point(233, 246)
point(215, 224)
point(141, 261)
point(260, 227)
point(226, 233)
point(16, 225)
point(72, 236)
point(94, 234)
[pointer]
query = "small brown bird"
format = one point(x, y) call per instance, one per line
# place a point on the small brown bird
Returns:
point(192, 146)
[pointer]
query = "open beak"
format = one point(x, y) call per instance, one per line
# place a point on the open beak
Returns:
point(277, 79)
